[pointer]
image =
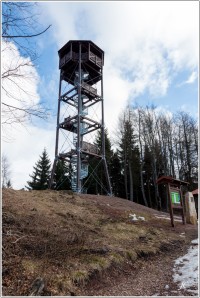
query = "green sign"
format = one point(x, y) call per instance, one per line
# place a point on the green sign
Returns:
point(175, 196)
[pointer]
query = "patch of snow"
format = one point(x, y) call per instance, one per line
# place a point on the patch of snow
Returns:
point(162, 215)
point(168, 218)
point(186, 270)
point(195, 241)
point(166, 215)
point(135, 218)
point(167, 287)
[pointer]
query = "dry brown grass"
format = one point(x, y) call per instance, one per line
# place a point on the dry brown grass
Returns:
point(68, 239)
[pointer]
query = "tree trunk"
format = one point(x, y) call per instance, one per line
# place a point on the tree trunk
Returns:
point(141, 164)
point(149, 194)
point(131, 181)
point(157, 197)
point(187, 147)
point(126, 181)
point(142, 187)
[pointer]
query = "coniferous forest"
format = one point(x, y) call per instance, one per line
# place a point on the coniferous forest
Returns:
point(147, 145)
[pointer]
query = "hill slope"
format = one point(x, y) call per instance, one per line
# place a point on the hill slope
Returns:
point(69, 239)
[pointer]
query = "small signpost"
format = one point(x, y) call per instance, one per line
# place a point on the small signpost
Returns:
point(175, 196)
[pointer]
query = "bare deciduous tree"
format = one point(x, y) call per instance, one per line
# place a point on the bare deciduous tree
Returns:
point(167, 145)
point(19, 28)
point(6, 172)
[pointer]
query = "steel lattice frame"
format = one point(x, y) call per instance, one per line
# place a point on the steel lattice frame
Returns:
point(81, 66)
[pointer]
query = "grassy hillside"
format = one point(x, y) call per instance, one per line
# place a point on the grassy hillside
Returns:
point(68, 239)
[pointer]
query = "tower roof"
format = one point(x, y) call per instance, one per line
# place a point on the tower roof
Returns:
point(83, 42)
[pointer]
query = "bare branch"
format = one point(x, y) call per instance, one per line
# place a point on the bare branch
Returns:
point(19, 76)
point(31, 111)
point(26, 36)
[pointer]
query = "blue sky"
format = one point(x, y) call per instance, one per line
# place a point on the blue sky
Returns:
point(151, 57)
point(178, 94)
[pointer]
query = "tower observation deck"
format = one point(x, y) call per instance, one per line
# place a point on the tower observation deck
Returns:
point(80, 114)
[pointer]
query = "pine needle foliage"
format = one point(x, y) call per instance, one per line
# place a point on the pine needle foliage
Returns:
point(41, 173)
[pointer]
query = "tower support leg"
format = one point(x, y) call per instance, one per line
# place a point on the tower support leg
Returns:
point(107, 177)
point(103, 138)
point(57, 134)
point(78, 149)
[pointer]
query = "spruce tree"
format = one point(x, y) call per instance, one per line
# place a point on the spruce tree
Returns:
point(62, 176)
point(41, 173)
point(103, 188)
point(117, 179)
point(127, 145)
point(97, 184)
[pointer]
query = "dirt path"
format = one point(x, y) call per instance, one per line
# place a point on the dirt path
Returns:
point(150, 277)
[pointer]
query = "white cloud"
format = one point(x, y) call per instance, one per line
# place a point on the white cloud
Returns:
point(164, 111)
point(62, 19)
point(116, 92)
point(19, 87)
point(146, 43)
point(192, 78)
point(24, 152)
point(20, 77)
point(192, 110)
point(27, 141)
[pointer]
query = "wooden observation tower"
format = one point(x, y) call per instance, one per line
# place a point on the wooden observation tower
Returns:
point(80, 91)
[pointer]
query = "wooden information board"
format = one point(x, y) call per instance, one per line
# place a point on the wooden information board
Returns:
point(175, 196)
point(175, 202)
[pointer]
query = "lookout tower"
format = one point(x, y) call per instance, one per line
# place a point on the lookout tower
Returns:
point(78, 117)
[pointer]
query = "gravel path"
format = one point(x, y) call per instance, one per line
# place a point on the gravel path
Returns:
point(152, 277)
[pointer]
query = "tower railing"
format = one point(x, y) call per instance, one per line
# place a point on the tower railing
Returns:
point(84, 57)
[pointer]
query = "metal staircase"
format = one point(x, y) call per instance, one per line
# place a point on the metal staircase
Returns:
point(83, 129)
point(84, 172)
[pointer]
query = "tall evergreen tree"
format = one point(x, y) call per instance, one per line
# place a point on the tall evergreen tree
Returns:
point(62, 176)
point(127, 156)
point(137, 195)
point(41, 173)
point(117, 179)
point(97, 183)
point(103, 188)
point(147, 175)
